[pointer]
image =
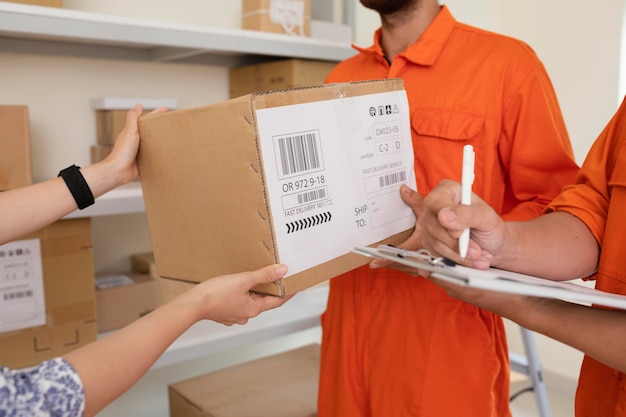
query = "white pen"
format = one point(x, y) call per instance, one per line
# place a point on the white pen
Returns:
point(467, 179)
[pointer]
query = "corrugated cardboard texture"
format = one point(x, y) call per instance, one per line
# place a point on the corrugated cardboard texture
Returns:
point(15, 162)
point(67, 261)
point(255, 16)
point(121, 305)
point(204, 189)
point(283, 385)
point(278, 75)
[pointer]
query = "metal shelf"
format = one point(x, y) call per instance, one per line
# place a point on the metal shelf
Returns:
point(26, 29)
point(51, 31)
point(207, 337)
point(123, 200)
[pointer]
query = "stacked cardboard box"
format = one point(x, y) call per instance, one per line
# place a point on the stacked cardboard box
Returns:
point(167, 288)
point(123, 298)
point(15, 161)
point(292, 17)
point(278, 75)
point(109, 124)
point(70, 311)
point(285, 384)
point(111, 118)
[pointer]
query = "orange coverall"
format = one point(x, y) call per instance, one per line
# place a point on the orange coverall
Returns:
point(599, 199)
point(398, 345)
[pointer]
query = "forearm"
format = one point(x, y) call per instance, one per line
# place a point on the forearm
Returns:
point(555, 246)
point(109, 366)
point(25, 210)
point(599, 333)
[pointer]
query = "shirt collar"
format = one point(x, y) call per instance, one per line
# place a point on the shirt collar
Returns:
point(428, 47)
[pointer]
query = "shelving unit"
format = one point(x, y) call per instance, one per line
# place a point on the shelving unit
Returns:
point(207, 338)
point(50, 31)
point(34, 30)
point(123, 200)
point(26, 29)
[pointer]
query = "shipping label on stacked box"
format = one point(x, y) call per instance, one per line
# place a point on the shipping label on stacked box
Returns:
point(22, 302)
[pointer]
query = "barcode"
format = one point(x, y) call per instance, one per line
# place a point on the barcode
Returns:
point(312, 195)
point(393, 178)
point(299, 153)
point(17, 295)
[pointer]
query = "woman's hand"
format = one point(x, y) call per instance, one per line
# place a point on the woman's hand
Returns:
point(122, 159)
point(228, 299)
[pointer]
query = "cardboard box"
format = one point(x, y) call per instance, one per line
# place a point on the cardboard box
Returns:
point(111, 116)
point(166, 288)
point(100, 152)
point(15, 162)
point(296, 176)
point(292, 17)
point(278, 75)
point(282, 385)
point(47, 3)
point(67, 261)
point(122, 299)
point(143, 263)
point(109, 124)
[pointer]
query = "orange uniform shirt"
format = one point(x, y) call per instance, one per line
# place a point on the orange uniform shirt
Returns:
point(397, 345)
point(599, 199)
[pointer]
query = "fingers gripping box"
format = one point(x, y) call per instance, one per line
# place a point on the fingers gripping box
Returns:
point(297, 176)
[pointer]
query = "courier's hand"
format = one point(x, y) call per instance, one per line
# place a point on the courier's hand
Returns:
point(414, 200)
point(444, 219)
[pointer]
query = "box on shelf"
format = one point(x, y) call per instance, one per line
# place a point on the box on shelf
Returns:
point(292, 17)
point(123, 298)
point(109, 124)
point(47, 3)
point(111, 114)
point(99, 152)
point(278, 75)
point(67, 264)
point(167, 288)
point(15, 161)
point(285, 384)
point(296, 176)
point(143, 263)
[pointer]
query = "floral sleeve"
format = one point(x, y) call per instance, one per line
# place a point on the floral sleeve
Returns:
point(52, 388)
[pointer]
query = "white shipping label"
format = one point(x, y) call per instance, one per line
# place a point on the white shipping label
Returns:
point(333, 170)
point(22, 301)
point(104, 282)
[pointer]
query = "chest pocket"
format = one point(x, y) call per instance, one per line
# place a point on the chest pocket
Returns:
point(438, 140)
point(612, 268)
point(446, 124)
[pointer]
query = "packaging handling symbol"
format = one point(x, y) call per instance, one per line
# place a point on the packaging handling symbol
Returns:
point(307, 222)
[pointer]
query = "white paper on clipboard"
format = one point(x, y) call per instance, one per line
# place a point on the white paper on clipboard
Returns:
point(494, 279)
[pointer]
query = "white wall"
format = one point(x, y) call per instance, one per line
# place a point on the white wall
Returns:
point(579, 43)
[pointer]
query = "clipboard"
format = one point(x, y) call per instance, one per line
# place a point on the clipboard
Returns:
point(495, 279)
